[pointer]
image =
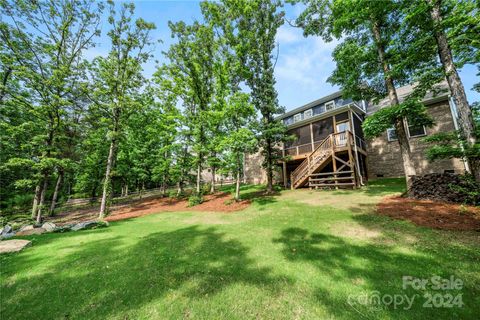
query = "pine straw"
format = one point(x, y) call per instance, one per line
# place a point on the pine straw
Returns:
point(433, 214)
point(218, 202)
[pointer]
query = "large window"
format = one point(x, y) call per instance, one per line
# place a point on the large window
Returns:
point(302, 134)
point(412, 132)
point(322, 128)
point(343, 126)
point(416, 131)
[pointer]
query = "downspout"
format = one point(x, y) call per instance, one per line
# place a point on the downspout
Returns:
point(453, 110)
point(355, 145)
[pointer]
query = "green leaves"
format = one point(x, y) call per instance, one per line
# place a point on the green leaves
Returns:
point(415, 112)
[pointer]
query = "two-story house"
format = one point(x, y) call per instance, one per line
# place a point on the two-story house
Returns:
point(329, 149)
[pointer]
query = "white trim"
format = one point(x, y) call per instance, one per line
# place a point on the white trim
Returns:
point(388, 135)
point(297, 118)
point(341, 122)
point(417, 135)
point(307, 114)
point(328, 104)
point(453, 111)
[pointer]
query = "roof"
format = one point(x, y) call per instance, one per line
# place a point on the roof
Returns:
point(311, 105)
point(440, 93)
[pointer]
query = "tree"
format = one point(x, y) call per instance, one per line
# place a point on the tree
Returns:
point(369, 66)
point(190, 75)
point(250, 28)
point(46, 41)
point(451, 30)
point(454, 144)
point(118, 79)
point(239, 138)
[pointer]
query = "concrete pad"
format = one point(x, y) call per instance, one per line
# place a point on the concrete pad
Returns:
point(13, 245)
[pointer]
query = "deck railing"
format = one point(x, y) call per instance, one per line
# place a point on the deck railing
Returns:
point(306, 148)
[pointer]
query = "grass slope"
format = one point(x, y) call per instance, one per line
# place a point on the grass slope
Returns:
point(296, 255)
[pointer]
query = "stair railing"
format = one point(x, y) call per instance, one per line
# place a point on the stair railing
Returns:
point(319, 154)
point(312, 160)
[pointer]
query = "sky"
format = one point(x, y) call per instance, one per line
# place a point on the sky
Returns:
point(303, 65)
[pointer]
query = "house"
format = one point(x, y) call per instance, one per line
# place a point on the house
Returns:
point(329, 149)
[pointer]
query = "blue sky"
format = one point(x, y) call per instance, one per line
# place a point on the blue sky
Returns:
point(303, 65)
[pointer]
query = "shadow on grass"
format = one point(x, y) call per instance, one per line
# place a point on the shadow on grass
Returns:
point(108, 278)
point(379, 187)
point(369, 268)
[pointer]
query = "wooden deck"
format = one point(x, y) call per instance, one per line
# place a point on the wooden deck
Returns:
point(309, 172)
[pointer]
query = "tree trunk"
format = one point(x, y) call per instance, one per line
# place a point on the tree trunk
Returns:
point(400, 129)
point(179, 188)
point(42, 198)
point(93, 194)
point(3, 88)
point(237, 182)
point(164, 185)
point(455, 84)
point(212, 186)
point(36, 200)
point(55, 192)
point(107, 181)
point(453, 79)
point(268, 160)
point(199, 177)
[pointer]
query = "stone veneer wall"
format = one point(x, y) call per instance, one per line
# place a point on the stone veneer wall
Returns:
point(384, 156)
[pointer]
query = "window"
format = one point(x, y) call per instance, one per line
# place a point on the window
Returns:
point(330, 105)
point(307, 114)
point(288, 121)
point(343, 126)
point(391, 134)
point(416, 131)
point(297, 117)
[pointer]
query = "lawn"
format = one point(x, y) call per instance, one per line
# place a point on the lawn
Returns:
point(297, 255)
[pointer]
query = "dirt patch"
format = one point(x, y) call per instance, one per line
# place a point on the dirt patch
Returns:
point(219, 202)
point(355, 232)
point(434, 214)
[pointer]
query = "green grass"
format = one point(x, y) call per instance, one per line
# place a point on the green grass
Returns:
point(295, 255)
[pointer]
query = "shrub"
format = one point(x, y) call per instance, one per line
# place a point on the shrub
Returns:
point(206, 188)
point(195, 199)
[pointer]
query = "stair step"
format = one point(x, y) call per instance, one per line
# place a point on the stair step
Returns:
point(330, 173)
point(332, 184)
point(332, 179)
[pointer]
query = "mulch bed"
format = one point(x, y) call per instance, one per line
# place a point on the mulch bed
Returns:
point(218, 202)
point(433, 214)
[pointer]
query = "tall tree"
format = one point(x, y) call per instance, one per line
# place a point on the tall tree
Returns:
point(445, 53)
point(118, 79)
point(46, 40)
point(451, 30)
point(239, 138)
point(250, 28)
point(190, 74)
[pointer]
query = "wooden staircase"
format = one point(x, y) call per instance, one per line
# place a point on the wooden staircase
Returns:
point(308, 173)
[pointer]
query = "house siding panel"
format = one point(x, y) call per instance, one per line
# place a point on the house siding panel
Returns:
point(384, 158)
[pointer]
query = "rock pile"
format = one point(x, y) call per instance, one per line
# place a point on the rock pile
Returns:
point(448, 187)
point(27, 230)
